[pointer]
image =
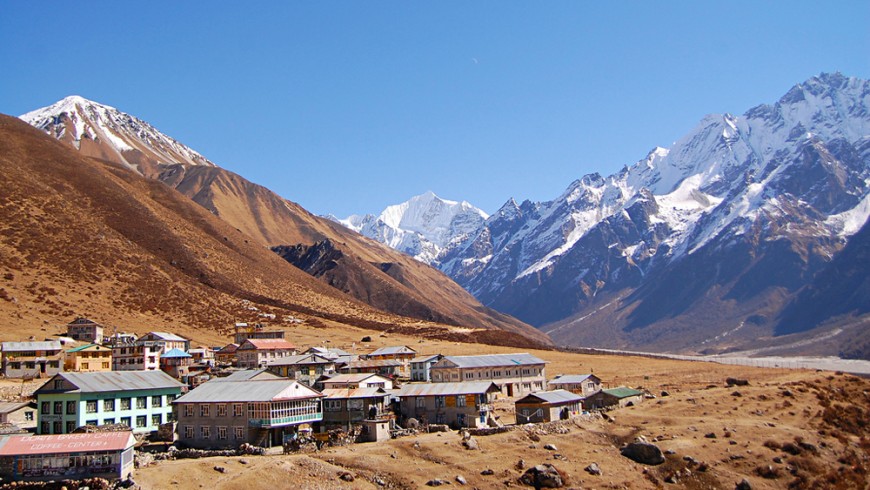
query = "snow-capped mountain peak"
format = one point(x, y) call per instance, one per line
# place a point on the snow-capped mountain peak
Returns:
point(105, 132)
point(423, 226)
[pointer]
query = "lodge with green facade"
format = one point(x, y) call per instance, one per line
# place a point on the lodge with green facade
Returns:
point(140, 399)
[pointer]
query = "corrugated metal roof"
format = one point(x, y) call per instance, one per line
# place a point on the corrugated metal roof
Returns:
point(175, 353)
point(246, 374)
point(555, 396)
point(66, 443)
point(354, 378)
point(9, 407)
point(100, 382)
point(373, 363)
point(396, 349)
point(300, 359)
point(433, 389)
point(267, 344)
point(83, 347)
point(424, 358)
point(622, 392)
point(248, 391)
point(28, 346)
point(569, 379)
point(491, 360)
point(341, 393)
point(166, 336)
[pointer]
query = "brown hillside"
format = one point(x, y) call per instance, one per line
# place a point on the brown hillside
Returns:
point(363, 268)
point(84, 237)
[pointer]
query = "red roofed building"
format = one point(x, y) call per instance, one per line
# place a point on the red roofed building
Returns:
point(255, 353)
point(67, 456)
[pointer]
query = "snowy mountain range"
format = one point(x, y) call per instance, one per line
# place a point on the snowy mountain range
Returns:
point(422, 227)
point(105, 132)
point(697, 246)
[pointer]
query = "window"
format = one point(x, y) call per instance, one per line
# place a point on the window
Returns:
point(237, 409)
point(354, 405)
point(188, 432)
point(141, 421)
point(58, 427)
point(421, 402)
point(127, 421)
point(204, 432)
point(440, 402)
point(28, 415)
point(45, 428)
point(468, 375)
point(45, 407)
point(125, 403)
point(460, 400)
point(332, 405)
point(141, 402)
point(91, 406)
point(188, 410)
point(157, 401)
point(71, 407)
point(58, 383)
point(70, 426)
point(203, 410)
point(239, 432)
point(222, 410)
point(105, 365)
point(109, 405)
point(85, 366)
point(108, 421)
point(222, 433)
point(440, 418)
point(156, 419)
point(91, 422)
point(58, 408)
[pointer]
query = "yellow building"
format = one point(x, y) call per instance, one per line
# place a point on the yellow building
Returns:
point(91, 357)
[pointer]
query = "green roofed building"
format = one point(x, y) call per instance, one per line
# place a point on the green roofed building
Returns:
point(613, 398)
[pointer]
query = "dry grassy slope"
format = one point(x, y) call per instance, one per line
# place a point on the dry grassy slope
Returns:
point(409, 288)
point(81, 236)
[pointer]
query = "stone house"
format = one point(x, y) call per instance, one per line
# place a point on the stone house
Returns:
point(226, 414)
point(401, 353)
point(467, 404)
point(85, 358)
point(346, 407)
point(140, 399)
point(514, 374)
point(421, 367)
point(305, 368)
point(391, 368)
point(85, 330)
point(358, 380)
point(547, 406)
point(580, 384)
point(226, 354)
point(255, 353)
point(32, 359)
point(166, 341)
point(19, 414)
point(613, 398)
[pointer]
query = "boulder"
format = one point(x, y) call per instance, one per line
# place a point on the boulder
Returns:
point(593, 469)
point(543, 476)
point(550, 447)
point(736, 382)
point(437, 483)
point(643, 453)
point(461, 480)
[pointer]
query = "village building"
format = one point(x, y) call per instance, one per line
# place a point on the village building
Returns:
point(86, 358)
point(202, 355)
point(305, 368)
point(401, 353)
point(226, 354)
point(345, 407)
point(580, 384)
point(120, 338)
point(249, 374)
point(390, 368)
point(358, 380)
point(613, 398)
point(142, 400)
point(245, 331)
point(176, 363)
point(19, 414)
point(265, 412)
point(73, 456)
point(547, 406)
point(136, 356)
point(421, 367)
point(514, 374)
point(166, 341)
point(32, 359)
point(456, 404)
point(255, 353)
point(85, 330)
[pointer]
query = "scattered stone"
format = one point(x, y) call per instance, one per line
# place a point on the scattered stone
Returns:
point(736, 393)
point(593, 469)
point(550, 447)
point(220, 469)
point(703, 467)
point(461, 480)
point(487, 472)
point(671, 478)
point(670, 451)
point(366, 339)
point(736, 382)
point(743, 485)
point(643, 453)
point(471, 444)
point(437, 483)
point(711, 435)
point(665, 393)
point(345, 476)
point(777, 460)
point(244, 461)
point(521, 464)
point(543, 476)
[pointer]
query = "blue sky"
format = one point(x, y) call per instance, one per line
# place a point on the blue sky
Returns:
point(347, 107)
